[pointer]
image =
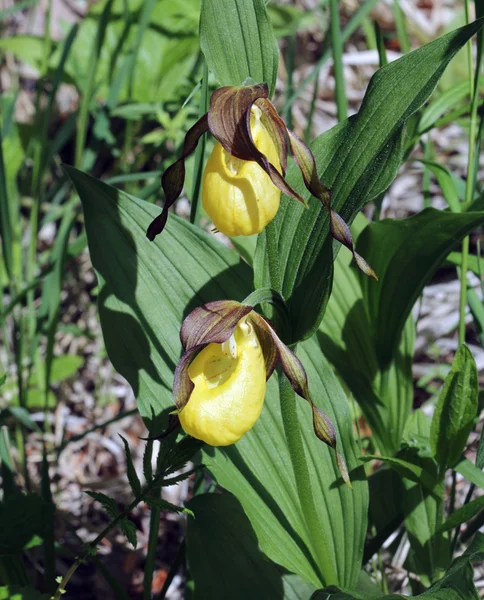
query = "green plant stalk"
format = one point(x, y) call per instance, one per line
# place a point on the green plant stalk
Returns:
point(401, 27)
point(428, 155)
point(200, 151)
point(380, 46)
point(337, 50)
point(37, 175)
point(88, 91)
point(151, 554)
point(291, 54)
point(350, 28)
point(322, 551)
point(473, 93)
point(369, 30)
point(309, 124)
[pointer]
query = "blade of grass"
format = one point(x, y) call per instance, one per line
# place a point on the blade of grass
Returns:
point(351, 27)
point(291, 55)
point(200, 151)
point(401, 27)
point(380, 46)
point(151, 553)
point(49, 539)
point(337, 50)
point(88, 90)
point(5, 217)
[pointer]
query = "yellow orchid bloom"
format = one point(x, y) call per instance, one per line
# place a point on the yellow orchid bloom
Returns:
point(239, 195)
point(230, 351)
point(230, 386)
point(245, 174)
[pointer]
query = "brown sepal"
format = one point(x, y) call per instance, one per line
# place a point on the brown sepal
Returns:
point(213, 322)
point(174, 177)
point(339, 229)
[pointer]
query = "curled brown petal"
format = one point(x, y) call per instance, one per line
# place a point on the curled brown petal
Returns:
point(339, 229)
point(174, 177)
point(213, 322)
point(182, 384)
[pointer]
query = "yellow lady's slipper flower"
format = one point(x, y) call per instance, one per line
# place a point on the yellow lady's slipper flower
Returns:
point(230, 386)
point(230, 351)
point(239, 195)
point(246, 171)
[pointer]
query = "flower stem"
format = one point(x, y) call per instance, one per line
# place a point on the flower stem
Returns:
point(473, 93)
point(321, 550)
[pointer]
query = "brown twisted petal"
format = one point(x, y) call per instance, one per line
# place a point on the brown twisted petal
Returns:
point(213, 322)
point(295, 372)
point(339, 229)
point(174, 177)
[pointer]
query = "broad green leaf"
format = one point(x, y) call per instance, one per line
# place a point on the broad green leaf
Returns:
point(405, 253)
point(464, 514)
point(146, 289)
point(237, 40)
point(456, 409)
point(385, 399)
point(224, 558)
point(358, 159)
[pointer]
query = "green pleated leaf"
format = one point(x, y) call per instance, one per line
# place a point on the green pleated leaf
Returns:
point(146, 289)
point(357, 159)
point(237, 40)
point(456, 409)
point(220, 531)
point(386, 401)
point(405, 253)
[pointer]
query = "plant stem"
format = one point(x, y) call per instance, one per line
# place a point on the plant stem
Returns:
point(337, 49)
point(324, 554)
point(291, 53)
point(200, 151)
point(151, 555)
point(473, 93)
